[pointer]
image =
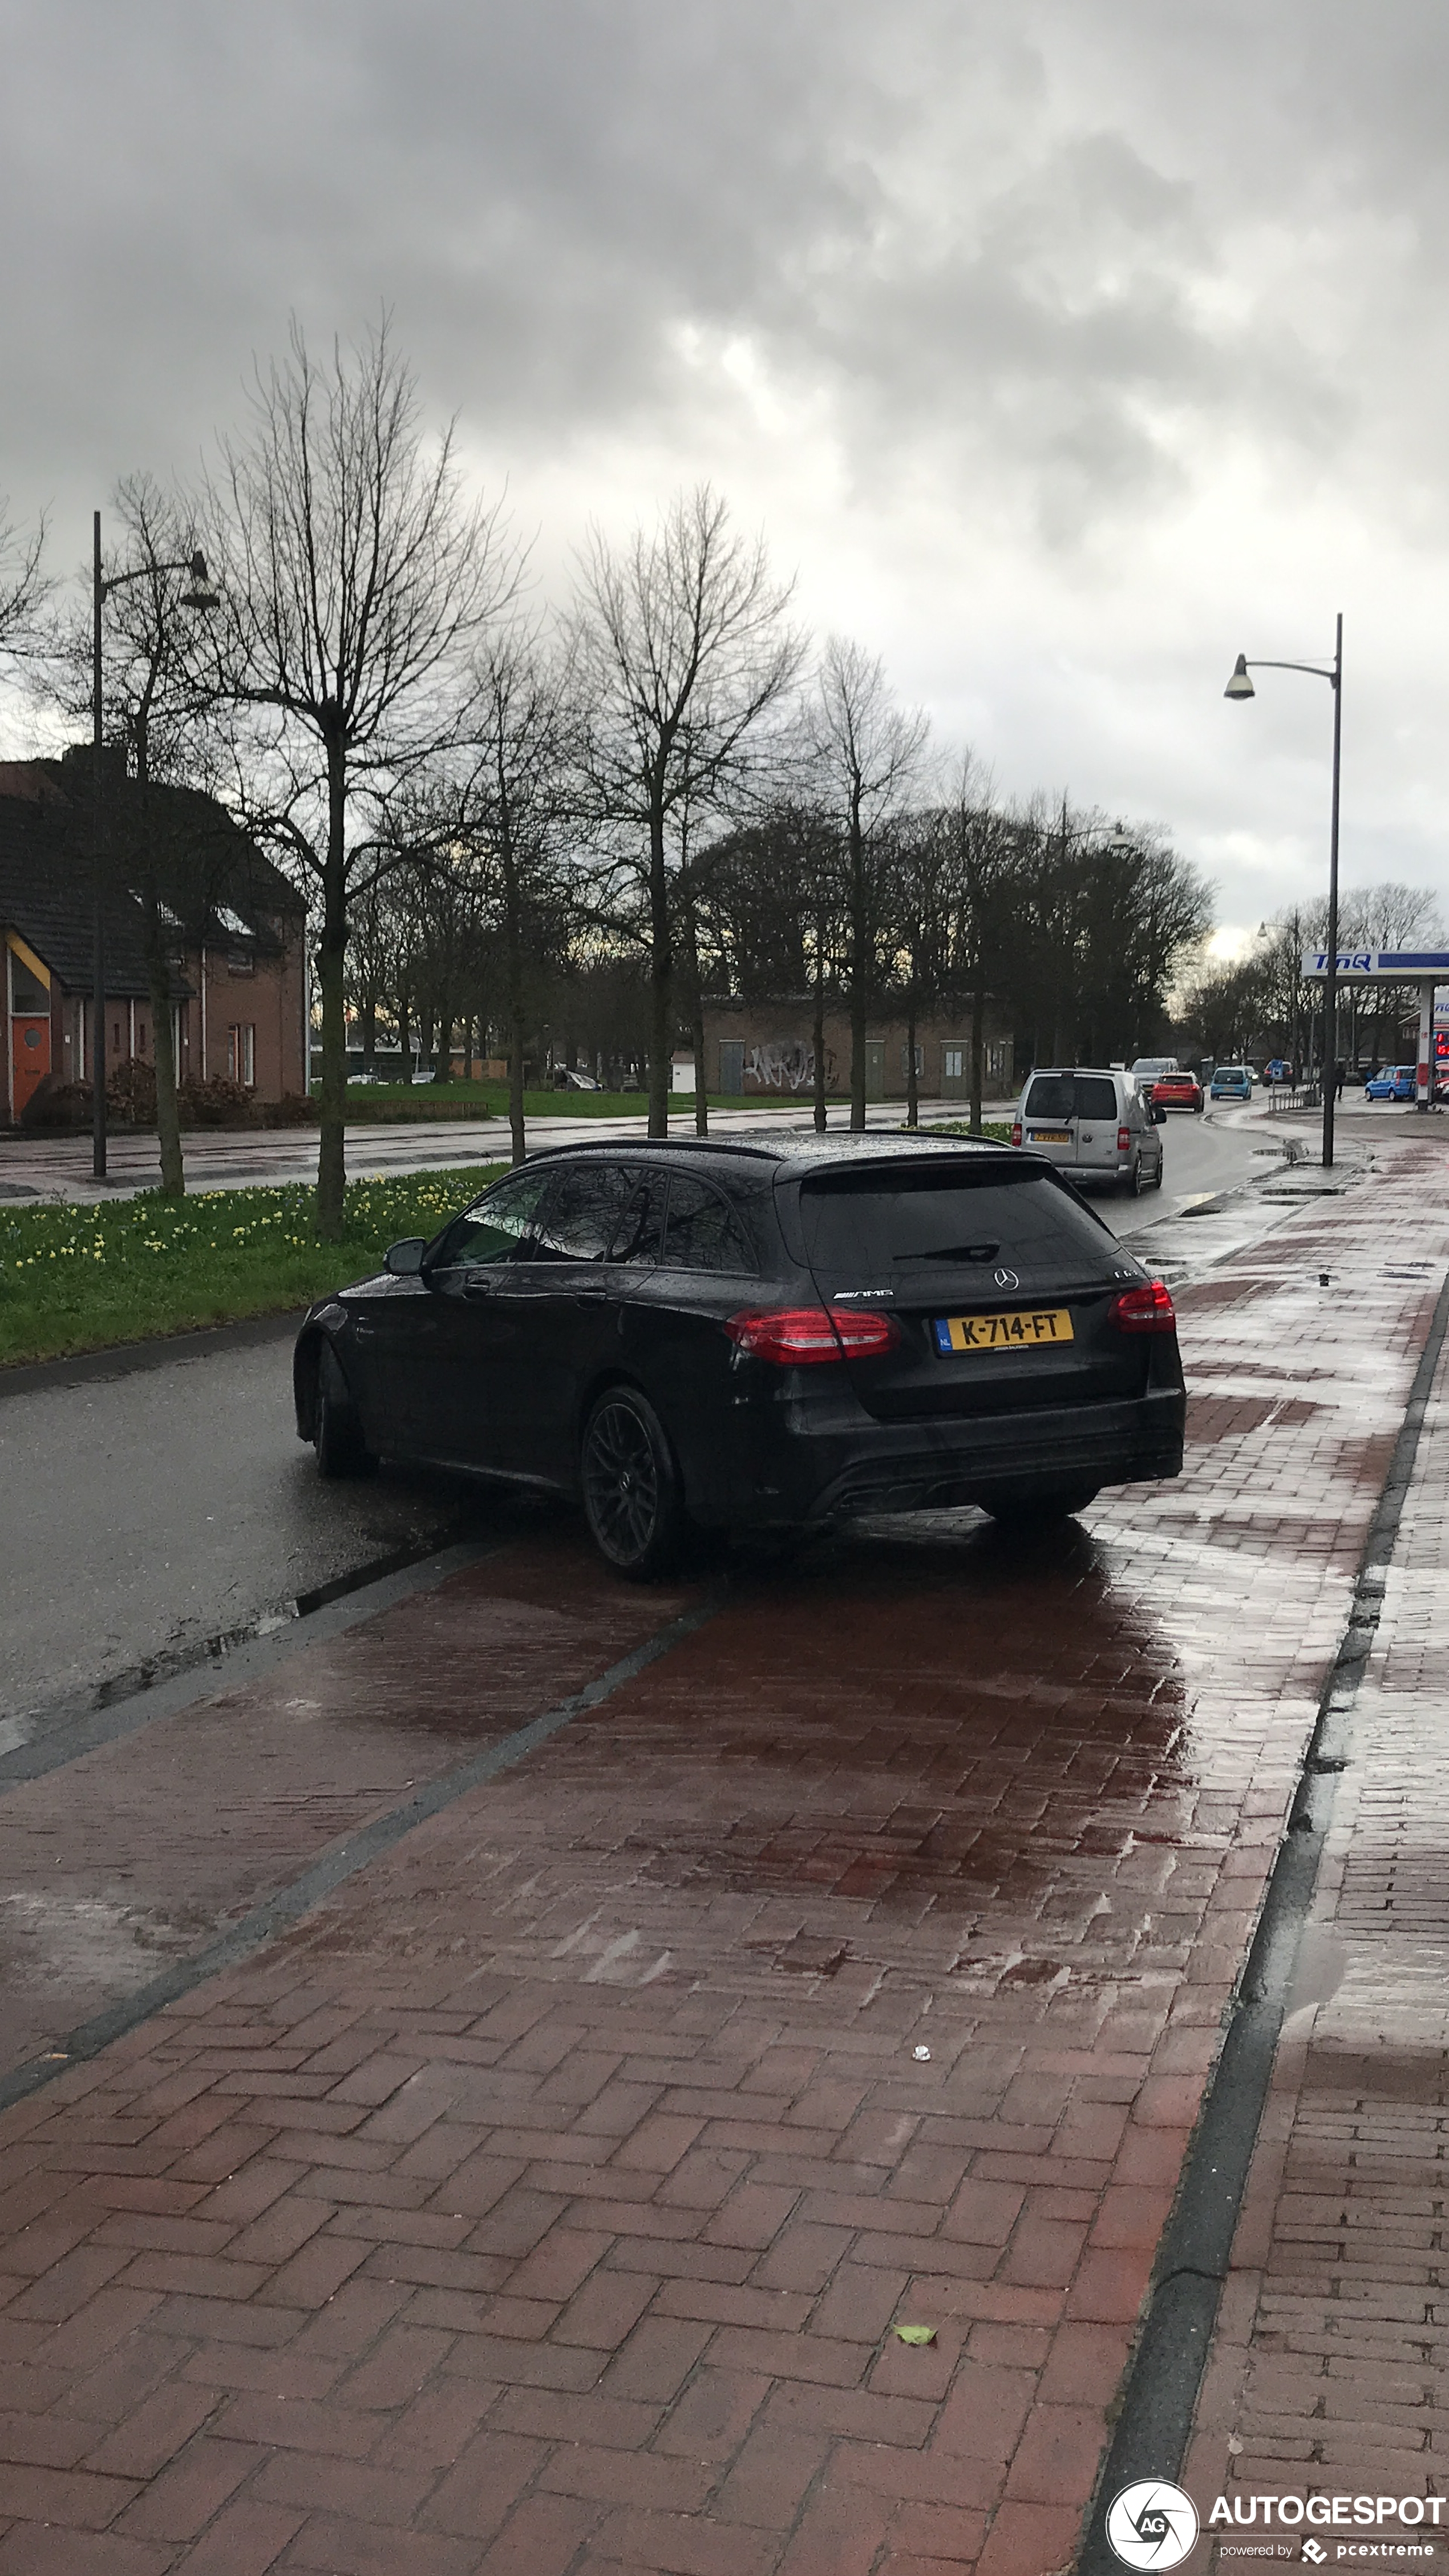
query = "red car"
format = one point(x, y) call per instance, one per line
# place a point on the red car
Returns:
point(1177, 1091)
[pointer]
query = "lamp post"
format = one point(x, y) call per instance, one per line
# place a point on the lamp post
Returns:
point(1240, 686)
point(199, 596)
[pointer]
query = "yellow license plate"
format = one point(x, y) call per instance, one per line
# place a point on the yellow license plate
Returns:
point(1030, 1328)
point(1050, 1136)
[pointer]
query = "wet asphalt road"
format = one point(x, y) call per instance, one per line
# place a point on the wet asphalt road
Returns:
point(144, 1515)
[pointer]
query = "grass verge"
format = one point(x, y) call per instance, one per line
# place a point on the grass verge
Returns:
point(79, 1279)
point(391, 1100)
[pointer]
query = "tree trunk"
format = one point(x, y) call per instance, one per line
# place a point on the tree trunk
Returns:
point(513, 941)
point(818, 1032)
point(696, 1012)
point(913, 1097)
point(331, 962)
point(168, 1119)
point(978, 1030)
point(661, 980)
point(158, 979)
point(404, 1069)
point(859, 993)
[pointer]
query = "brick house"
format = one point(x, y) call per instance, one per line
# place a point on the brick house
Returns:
point(769, 1047)
point(238, 972)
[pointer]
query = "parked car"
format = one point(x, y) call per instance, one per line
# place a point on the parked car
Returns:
point(1094, 1123)
point(1393, 1082)
point(1231, 1082)
point(1176, 1091)
point(759, 1336)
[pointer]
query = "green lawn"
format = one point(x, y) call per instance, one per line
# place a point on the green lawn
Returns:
point(77, 1279)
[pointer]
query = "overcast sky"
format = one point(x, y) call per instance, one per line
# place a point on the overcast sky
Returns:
point(1063, 349)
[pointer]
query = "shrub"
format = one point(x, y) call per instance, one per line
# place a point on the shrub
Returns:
point(131, 1092)
point(215, 1103)
point(292, 1110)
point(58, 1104)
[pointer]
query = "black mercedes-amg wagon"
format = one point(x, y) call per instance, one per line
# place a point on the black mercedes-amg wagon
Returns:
point(758, 1335)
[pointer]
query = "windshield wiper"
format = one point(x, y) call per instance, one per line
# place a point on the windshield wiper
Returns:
point(953, 1252)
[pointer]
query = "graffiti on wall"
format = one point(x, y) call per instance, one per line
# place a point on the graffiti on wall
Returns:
point(786, 1064)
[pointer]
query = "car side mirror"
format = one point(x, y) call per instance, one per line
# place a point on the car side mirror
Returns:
point(404, 1260)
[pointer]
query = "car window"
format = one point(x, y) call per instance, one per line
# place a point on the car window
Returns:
point(942, 1231)
point(1096, 1096)
point(1051, 1096)
point(581, 1214)
point(496, 1228)
point(639, 1233)
point(703, 1231)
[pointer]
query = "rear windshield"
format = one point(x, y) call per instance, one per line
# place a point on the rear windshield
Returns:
point(922, 1229)
point(1072, 1095)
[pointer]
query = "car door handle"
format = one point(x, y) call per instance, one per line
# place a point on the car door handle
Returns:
point(477, 1287)
point(591, 1296)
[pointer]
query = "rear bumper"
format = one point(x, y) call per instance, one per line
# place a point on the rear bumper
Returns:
point(809, 1472)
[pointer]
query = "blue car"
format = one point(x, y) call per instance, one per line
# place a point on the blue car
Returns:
point(1231, 1082)
point(1393, 1082)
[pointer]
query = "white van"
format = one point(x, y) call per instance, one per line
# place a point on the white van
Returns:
point(1093, 1123)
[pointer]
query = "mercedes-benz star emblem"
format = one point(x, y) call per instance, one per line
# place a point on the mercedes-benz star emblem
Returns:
point(1007, 1279)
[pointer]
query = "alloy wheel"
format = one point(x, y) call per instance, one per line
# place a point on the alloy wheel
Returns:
point(621, 1482)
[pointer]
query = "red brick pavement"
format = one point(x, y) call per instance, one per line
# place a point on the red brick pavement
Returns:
point(546, 2200)
point(1328, 2374)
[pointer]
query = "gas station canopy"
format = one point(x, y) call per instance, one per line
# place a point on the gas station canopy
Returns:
point(1383, 965)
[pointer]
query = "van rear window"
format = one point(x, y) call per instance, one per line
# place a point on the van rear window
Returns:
point(1072, 1095)
point(923, 1229)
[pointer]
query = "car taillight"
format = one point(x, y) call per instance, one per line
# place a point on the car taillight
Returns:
point(798, 1336)
point(1124, 1140)
point(1148, 1309)
point(1016, 1132)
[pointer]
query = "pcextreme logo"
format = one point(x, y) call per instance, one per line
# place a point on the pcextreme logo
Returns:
point(1151, 2524)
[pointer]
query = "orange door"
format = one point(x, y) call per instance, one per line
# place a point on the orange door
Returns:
point(29, 1055)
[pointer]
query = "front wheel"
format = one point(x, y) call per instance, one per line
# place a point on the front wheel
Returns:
point(337, 1435)
point(1157, 1175)
point(1133, 1182)
point(630, 1483)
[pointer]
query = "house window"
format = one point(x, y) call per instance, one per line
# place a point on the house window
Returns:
point(241, 1054)
point(953, 1064)
point(996, 1061)
point(241, 961)
point(920, 1054)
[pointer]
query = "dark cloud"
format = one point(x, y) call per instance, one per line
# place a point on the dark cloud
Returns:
point(1066, 274)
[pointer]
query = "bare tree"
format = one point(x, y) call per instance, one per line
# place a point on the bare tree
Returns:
point(866, 754)
point(24, 586)
point(512, 804)
point(681, 651)
point(355, 580)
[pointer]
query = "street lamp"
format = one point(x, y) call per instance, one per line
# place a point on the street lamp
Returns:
point(201, 596)
point(1240, 686)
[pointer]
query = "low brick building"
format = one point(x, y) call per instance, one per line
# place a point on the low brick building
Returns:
point(238, 970)
point(769, 1047)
